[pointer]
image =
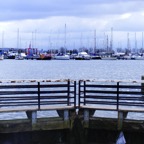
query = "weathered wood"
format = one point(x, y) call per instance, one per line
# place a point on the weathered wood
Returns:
point(10, 126)
point(103, 123)
point(111, 124)
point(99, 107)
point(22, 125)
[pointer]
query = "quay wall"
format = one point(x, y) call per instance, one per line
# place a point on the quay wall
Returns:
point(97, 131)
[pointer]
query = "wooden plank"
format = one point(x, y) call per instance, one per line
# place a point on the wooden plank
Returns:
point(131, 109)
point(100, 107)
point(113, 108)
point(20, 109)
point(56, 107)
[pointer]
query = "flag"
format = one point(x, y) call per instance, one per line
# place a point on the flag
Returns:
point(121, 139)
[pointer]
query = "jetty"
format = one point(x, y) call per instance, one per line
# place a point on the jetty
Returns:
point(80, 111)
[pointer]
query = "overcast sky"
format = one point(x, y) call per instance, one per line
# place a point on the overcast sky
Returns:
point(42, 22)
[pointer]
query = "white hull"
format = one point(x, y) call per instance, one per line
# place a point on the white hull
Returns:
point(19, 58)
point(109, 58)
point(1, 57)
point(139, 58)
point(63, 57)
point(82, 56)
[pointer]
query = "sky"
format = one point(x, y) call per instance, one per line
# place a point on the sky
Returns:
point(49, 24)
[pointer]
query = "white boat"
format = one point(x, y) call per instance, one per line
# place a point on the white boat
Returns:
point(139, 57)
point(61, 56)
point(109, 58)
point(127, 57)
point(1, 57)
point(11, 54)
point(19, 57)
point(83, 56)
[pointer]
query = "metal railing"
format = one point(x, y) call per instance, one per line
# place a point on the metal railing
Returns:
point(37, 93)
point(115, 93)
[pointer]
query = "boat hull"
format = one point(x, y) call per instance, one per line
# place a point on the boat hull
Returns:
point(65, 57)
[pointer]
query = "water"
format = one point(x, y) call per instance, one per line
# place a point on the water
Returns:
point(72, 69)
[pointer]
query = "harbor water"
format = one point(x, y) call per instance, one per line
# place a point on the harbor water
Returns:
point(71, 69)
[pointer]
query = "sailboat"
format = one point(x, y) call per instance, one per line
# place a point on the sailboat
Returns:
point(63, 56)
point(1, 51)
point(109, 55)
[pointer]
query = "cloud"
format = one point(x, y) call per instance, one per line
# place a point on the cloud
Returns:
point(48, 19)
point(35, 9)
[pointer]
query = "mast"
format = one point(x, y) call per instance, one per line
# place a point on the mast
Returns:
point(135, 42)
point(81, 41)
point(94, 41)
point(32, 40)
point(18, 39)
point(142, 41)
point(128, 42)
point(2, 39)
point(35, 39)
point(107, 45)
point(111, 43)
point(65, 39)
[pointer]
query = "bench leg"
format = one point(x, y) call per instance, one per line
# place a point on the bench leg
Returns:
point(86, 115)
point(32, 115)
point(66, 115)
point(121, 117)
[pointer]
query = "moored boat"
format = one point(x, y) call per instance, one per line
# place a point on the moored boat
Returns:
point(82, 56)
point(96, 57)
point(19, 57)
point(61, 56)
point(109, 58)
point(1, 57)
point(44, 57)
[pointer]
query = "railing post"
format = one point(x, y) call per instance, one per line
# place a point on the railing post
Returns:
point(79, 94)
point(68, 100)
point(84, 91)
point(75, 94)
point(117, 96)
point(142, 85)
point(39, 95)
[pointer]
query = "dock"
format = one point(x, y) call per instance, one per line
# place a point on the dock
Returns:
point(76, 103)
